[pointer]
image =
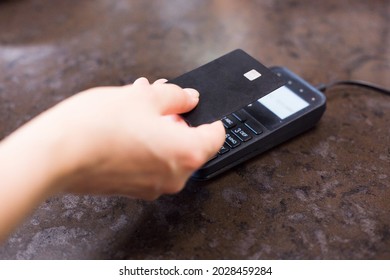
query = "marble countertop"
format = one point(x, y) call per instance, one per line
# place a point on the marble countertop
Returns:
point(322, 195)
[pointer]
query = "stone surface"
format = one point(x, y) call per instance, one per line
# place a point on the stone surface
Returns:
point(323, 195)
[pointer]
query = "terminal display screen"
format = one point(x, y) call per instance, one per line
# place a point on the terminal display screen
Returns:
point(283, 102)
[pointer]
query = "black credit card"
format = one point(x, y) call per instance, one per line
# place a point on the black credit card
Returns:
point(227, 84)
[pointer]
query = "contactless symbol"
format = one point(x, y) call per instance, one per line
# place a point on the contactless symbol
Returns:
point(252, 75)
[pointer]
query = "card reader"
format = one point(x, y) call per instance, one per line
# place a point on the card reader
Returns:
point(273, 119)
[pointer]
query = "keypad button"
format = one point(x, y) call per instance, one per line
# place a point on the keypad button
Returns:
point(232, 140)
point(224, 149)
point(241, 115)
point(242, 133)
point(228, 122)
point(254, 126)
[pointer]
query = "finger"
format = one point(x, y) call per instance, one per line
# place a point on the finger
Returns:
point(141, 81)
point(160, 81)
point(172, 99)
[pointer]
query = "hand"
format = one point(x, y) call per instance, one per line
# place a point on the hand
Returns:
point(129, 140)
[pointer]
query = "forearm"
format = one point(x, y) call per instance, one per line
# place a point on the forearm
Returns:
point(27, 173)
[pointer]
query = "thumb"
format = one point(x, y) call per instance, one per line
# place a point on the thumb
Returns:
point(210, 138)
point(172, 99)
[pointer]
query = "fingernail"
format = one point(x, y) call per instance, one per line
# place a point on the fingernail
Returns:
point(192, 92)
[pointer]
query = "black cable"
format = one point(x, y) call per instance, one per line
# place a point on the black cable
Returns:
point(324, 87)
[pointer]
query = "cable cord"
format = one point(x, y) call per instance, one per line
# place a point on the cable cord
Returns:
point(324, 87)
